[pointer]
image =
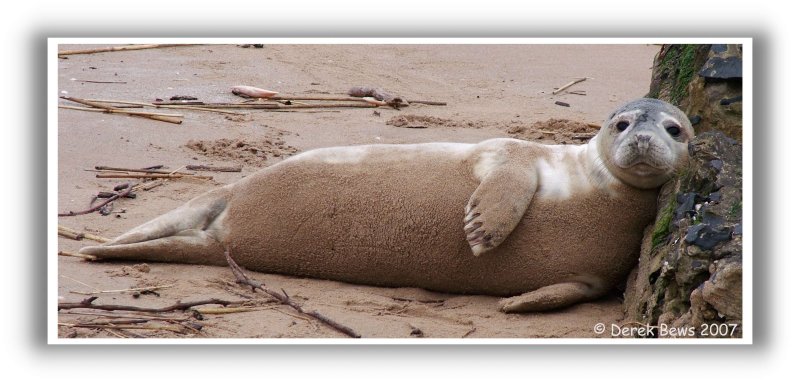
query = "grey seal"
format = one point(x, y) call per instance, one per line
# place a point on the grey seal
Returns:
point(545, 226)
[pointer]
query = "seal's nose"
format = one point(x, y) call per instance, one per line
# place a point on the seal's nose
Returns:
point(642, 142)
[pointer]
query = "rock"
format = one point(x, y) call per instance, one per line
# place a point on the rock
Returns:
point(722, 68)
point(706, 237)
point(705, 81)
point(690, 271)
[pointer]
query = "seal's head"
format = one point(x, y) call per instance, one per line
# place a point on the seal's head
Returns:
point(643, 142)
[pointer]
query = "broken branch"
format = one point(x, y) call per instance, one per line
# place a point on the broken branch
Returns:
point(117, 48)
point(87, 303)
point(200, 167)
point(75, 235)
point(561, 89)
point(170, 119)
point(151, 175)
point(101, 82)
point(127, 188)
point(433, 103)
point(172, 328)
point(144, 170)
point(124, 290)
point(82, 256)
point(116, 111)
point(283, 298)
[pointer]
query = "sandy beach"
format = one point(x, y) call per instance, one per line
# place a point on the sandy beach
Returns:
point(491, 91)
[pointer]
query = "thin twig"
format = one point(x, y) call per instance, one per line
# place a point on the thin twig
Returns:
point(227, 310)
point(171, 328)
point(469, 332)
point(87, 304)
point(184, 107)
point(200, 167)
point(195, 108)
point(115, 110)
point(125, 192)
point(78, 281)
point(305, 111)
point(117, 333)
point(151, 185)
point(241, 278)
point(433, 103)
point(132, 316)
point(150, 176)
point(149, 171)
point(119, 111)
point(101, 82)
point(317, 98)
point(170, 119)
point(117, 48)
point(561, 89)
point(124, 290)
point(75, 235)
point(273, 106)
point(80, 255)
point(121, 102)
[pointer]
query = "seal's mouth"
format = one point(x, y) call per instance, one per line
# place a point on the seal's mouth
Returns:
point(643, 168)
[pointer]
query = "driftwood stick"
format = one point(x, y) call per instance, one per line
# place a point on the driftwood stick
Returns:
point(465, 335)
point(69, 234)
point(317, 98)
point(130, 316)
point(144, 170)
point(304, 111)
point(228, 310)
point(124, 290)
point(120, 102)
point(101, 82)
point(561, 89)
point(183, 106)
point(172, 328)
point(219, 105)
point(87, 303)
point(92, 208)
point(75, 235)
point(117, 48)
point(433, 103)
point(80, 255)
point(150, 175)
point(274, 106)
point(117, 111)
point(200, 167)
point(151, 185)
point(195, 108)
point(241, 278)
point(170, 119)
point(331, 105)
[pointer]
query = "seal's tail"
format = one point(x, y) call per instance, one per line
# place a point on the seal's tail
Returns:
point(189, 234)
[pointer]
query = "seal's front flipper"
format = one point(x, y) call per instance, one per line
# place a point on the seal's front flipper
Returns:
point(550, 297)
point(188, 234)
point(499, 202)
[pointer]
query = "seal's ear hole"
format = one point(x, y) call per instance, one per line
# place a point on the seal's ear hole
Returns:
point(622, 125)
point(673, 130)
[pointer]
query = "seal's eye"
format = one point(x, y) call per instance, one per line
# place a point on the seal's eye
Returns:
point(622, 125)
point(674, 130)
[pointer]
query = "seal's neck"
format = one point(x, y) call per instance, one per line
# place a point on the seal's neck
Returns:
point(596, 167)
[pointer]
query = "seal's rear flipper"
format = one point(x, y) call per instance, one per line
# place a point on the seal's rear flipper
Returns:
point(189, 234)
point(550, 297)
